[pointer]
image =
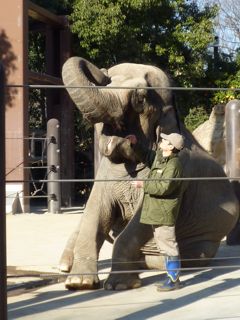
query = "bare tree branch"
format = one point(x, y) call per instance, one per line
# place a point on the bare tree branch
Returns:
point(227, 22)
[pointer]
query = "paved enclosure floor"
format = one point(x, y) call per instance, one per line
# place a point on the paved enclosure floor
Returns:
point(35, 243)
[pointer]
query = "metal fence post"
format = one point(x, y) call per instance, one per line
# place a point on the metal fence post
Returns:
point(232, 118)
point(53, 162)
point(3, 273)
point(232, 146)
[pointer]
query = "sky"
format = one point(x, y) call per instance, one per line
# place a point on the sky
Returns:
point(229, 37)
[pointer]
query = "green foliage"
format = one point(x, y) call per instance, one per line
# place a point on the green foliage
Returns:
point(196, 116)
point(228, 78)
point(83, 132)
point(227, 95)
point(36, 52)
point(172, 34)
point(36, 62)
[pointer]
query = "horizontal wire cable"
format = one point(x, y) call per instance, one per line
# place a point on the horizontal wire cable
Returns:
point(26, 138)
point(42, 86)
point(129, 180)
point(112, 180)
point(28, 197)
point(145, 270)
point(52, 275)
point(101, 263)
point(37, 167)
point(144, 179)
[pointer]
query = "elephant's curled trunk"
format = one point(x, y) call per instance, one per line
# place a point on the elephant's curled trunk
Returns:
point(96, 104)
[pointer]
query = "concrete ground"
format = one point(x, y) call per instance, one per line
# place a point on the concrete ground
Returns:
point(34, 245)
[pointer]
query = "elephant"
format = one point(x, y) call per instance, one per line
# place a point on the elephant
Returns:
point(137, 99)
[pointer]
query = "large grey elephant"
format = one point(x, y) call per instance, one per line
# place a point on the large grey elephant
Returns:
point(209, 209)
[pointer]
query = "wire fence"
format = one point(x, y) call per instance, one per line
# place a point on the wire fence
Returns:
point(50, 168)
point(47, 140)
point(39, 86)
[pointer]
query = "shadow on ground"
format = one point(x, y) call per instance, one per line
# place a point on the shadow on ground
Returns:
point(53, 300)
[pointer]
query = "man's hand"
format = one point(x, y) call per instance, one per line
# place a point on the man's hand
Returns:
point(132, 138)
point(137, 184)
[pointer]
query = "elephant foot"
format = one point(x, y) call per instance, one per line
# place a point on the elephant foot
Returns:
point(122, 282)
point(82, 282)
point(66, 261)
point(83, 275)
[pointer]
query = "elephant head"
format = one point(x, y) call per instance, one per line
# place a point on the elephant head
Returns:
point(132, 99)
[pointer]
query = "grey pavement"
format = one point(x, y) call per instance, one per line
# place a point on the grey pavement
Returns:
point(35, 243)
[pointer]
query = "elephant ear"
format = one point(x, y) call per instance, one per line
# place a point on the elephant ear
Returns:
point(160, 80)
point(164, 98)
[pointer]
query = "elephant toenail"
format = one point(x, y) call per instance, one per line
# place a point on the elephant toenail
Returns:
point(87, 281)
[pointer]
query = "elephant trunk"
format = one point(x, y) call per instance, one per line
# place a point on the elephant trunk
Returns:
point(96, 104)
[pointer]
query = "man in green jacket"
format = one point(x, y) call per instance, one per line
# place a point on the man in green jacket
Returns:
point(162, 199)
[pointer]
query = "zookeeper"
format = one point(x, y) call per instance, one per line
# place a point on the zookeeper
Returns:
point(162, 199)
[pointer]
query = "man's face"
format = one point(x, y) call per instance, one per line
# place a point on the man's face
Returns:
point(165, 145)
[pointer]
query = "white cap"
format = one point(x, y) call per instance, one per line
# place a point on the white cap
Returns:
point(176, 139)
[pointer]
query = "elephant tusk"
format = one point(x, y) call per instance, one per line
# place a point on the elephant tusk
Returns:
point(108, 146)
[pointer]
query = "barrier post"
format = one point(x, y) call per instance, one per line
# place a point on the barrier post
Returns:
point(232, 118)
point(3, 273)
point(53, 162)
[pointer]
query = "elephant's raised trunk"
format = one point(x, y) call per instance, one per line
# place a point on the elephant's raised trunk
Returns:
point(96, 105)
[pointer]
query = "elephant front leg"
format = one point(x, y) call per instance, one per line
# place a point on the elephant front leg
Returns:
point(126, 260)
point(83, 274)
point(91, 235)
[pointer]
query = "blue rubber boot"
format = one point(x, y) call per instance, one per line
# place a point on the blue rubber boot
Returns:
point(172, 281)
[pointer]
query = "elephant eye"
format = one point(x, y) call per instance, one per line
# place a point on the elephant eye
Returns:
point(138, 100)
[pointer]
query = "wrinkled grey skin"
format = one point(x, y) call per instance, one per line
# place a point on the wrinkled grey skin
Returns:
point(209, 209)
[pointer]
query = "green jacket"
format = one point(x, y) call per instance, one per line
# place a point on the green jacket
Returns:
point(162, 198)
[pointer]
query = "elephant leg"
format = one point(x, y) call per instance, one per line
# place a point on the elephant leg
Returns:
point(197, 253)
point(66, 260)
point(127, 255)
point(84, 270)
point(94, 226)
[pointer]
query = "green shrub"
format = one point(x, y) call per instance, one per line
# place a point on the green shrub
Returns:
point(195, 117)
